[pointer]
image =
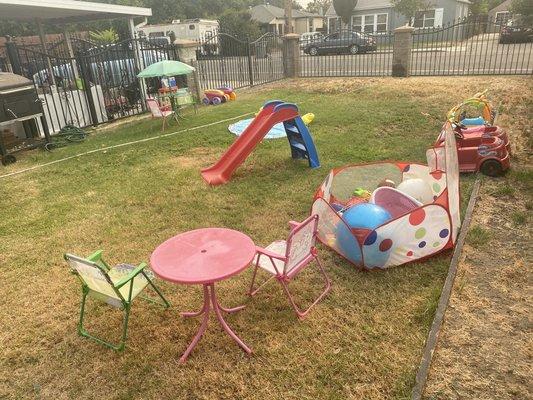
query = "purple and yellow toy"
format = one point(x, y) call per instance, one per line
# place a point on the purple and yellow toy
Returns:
point(218, 96)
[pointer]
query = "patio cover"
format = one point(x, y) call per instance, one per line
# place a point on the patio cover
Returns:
point(66, 11)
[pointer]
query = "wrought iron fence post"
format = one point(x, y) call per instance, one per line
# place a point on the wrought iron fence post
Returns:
point(401, 52)
point(249, 56)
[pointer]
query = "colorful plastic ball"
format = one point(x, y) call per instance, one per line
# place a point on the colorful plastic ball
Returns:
point(418, 189)
point(366, 216)
point(347, 244)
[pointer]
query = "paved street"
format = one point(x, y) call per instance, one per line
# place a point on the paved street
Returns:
point(469, 58)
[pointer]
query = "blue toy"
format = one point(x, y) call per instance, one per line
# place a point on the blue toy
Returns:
point(473, 121)
point(366, 216)
point(361, 216)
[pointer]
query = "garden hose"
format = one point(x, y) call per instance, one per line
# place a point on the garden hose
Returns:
point(67, 134)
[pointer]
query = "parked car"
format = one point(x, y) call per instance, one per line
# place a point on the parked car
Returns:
point(342, 42)
point(516, 32)
point(310, 37)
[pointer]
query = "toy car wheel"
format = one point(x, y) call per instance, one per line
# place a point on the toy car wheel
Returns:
point(491, 168)
point(313, 51)
point(353, 49)
point(217, 100)
point(233, 96)
point(206, 101)
point(8, 159)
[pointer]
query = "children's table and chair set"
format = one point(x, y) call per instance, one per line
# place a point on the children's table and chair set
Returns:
point(200, 257)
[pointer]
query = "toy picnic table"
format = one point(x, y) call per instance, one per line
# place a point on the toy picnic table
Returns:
point(203, 257)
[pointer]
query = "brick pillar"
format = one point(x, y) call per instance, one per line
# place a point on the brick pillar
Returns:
point(186, 50)
point(291, 55)
point(401, 56)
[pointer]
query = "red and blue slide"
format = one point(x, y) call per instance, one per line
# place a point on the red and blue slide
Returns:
point(273, 112)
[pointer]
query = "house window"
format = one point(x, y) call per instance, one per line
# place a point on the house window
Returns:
point(357, 22)
point(425, 19)
point(502, 17)
point(370, 23)
point(381, 22)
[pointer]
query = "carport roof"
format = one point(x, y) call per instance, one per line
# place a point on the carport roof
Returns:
point(65, 11)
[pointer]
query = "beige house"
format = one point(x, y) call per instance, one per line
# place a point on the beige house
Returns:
point(272, 19)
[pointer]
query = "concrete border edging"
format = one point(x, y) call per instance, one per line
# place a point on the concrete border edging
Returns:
point(433, 335)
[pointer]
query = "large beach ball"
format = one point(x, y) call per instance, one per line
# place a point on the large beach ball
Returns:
point(347, 244)
point(358, 220)
point(418, 189)
point(366, 216)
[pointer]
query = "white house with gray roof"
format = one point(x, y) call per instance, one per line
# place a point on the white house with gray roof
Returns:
point(375, 16)
point(272, 19)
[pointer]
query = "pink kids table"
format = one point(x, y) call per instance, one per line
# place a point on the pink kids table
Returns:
point(203, 257)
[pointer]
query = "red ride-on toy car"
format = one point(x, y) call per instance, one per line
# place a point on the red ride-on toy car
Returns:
point(220, 95)
point(481, 148)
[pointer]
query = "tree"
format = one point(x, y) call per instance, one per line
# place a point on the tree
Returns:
point(408, 8)
point(525, 9)
point(107, 36)
point(344, 9)
point(479, 7)
point(316, 6)
point(239, 23)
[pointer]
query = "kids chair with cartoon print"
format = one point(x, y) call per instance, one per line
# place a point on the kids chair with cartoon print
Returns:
point(284, 259)
point(117, 286)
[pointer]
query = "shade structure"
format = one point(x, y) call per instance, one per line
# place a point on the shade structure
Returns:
point(165, 68)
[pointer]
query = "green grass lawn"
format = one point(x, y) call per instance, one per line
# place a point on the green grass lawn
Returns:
point(363, 341)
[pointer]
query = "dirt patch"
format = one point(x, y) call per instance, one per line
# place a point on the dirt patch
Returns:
point(484, 349)
point(197, 157)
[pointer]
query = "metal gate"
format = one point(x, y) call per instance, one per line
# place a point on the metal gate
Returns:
point(472, 47)
point(348, 53)
point(224, 60)
point(98, 84)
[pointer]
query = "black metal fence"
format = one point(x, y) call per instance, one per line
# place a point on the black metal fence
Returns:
point(224, 60)
point(98, 84)
point(477, 46)
point(348, 53)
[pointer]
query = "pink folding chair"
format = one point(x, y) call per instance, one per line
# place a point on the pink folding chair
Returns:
point(284, 259)
point(157, 112)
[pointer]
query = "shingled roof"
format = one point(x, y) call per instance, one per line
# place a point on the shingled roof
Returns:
point(265, 13)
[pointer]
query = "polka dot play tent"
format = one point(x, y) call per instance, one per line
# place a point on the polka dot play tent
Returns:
point(415, 230)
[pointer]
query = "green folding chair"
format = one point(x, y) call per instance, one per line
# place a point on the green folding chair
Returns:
point(117, 286)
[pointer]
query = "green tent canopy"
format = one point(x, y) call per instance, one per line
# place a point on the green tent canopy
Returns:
point(165, 68)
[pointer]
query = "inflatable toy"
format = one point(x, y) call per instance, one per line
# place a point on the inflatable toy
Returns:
point(414, 231)
point(365, 216)
point(418, 189)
